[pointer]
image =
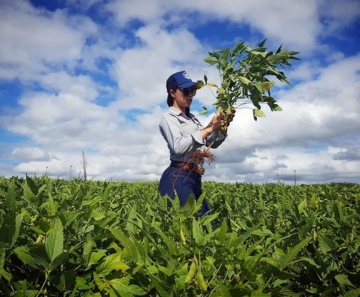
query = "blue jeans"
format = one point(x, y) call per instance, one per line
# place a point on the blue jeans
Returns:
point(184, 183)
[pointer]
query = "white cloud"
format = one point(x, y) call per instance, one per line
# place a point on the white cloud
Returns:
point(64, 79)
point(29, 154)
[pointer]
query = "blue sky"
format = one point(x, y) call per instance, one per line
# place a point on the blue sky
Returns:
point(89, 75)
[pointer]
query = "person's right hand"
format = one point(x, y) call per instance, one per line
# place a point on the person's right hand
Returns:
point(218, 121)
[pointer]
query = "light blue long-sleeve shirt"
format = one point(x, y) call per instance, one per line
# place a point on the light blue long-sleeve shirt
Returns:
point(182, 134)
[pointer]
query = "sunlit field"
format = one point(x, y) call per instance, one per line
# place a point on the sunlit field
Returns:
point(91, 238)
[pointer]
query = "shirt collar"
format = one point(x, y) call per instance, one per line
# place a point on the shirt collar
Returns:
point(176, 111)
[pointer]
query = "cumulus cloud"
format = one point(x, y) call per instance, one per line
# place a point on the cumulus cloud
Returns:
point(29, 154)
point(99, 87)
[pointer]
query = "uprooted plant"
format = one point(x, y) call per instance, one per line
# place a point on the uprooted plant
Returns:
point(245, 78)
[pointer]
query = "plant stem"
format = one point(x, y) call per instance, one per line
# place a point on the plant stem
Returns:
point(43, 285)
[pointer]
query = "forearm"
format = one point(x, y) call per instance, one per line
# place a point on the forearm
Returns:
point(206, 132)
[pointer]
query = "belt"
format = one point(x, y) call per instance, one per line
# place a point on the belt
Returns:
point(188, 166)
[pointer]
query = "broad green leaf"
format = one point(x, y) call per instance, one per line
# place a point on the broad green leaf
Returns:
point(99, 282)
point(3, 272)
point(244, 80)
point(221, 232)
point(223, 290)
point(259, 87)
point(169, 242)
point(343, 280)
point(16, 230)
point(251, 262)
point(31, 185)
point(59, 260)
point(88, 246)
point(55, 240)
point(161, 290)
point(22, 291)
point(23, 254)
point(131, 222)
point(96, 256)
point(353, 293)
point(259, 113)
point(263, 232)
point(286, 260)
point(197, 232)
point(325, 243)
point(10, 196)
point(51, 205)
point(211, 60)
point(110, 263)
point(302, 205)
point(121, 288)
point(10, 228)
point(308, 260)
point(200, 83)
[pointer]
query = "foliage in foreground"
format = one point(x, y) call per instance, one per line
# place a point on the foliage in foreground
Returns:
point(83, 238)
point(244, 74)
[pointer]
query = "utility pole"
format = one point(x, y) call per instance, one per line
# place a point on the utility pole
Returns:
point(84, 163)
point(295, 176)
point(70, 171)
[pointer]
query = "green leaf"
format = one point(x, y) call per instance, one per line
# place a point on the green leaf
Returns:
point(325, 243)
point(110, 263)
point(54, 244)
point(23, 254)
point(120, 287)
point(258, 113)
point(221, 232)
point(244, 80)
point(161, 290)
point(343, 280)
point(286, 260)
point(211, 60)
point(197, 233)
point(200, 83)
point(259, 87)
point(88, 246)
point(32, 186)
point(51, 206)
point(262, 43)
point(10, 228)
point(169, 242)
point(204, 111)
point(59, 260)
point(10, 196)
point(3, 272)
point(223, 290)
point(96, 256)
point(353, 293)
point(99, 282)
point(302, 205)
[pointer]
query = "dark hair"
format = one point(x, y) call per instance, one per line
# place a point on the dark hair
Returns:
point(170, 102)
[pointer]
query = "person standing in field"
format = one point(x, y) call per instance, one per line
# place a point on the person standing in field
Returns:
point(185, 135)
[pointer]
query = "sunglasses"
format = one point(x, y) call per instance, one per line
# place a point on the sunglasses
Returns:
point(188, 91)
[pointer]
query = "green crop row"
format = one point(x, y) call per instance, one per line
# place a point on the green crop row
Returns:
point(92, 238)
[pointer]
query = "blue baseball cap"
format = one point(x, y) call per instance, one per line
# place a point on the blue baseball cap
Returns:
point(180, 80)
